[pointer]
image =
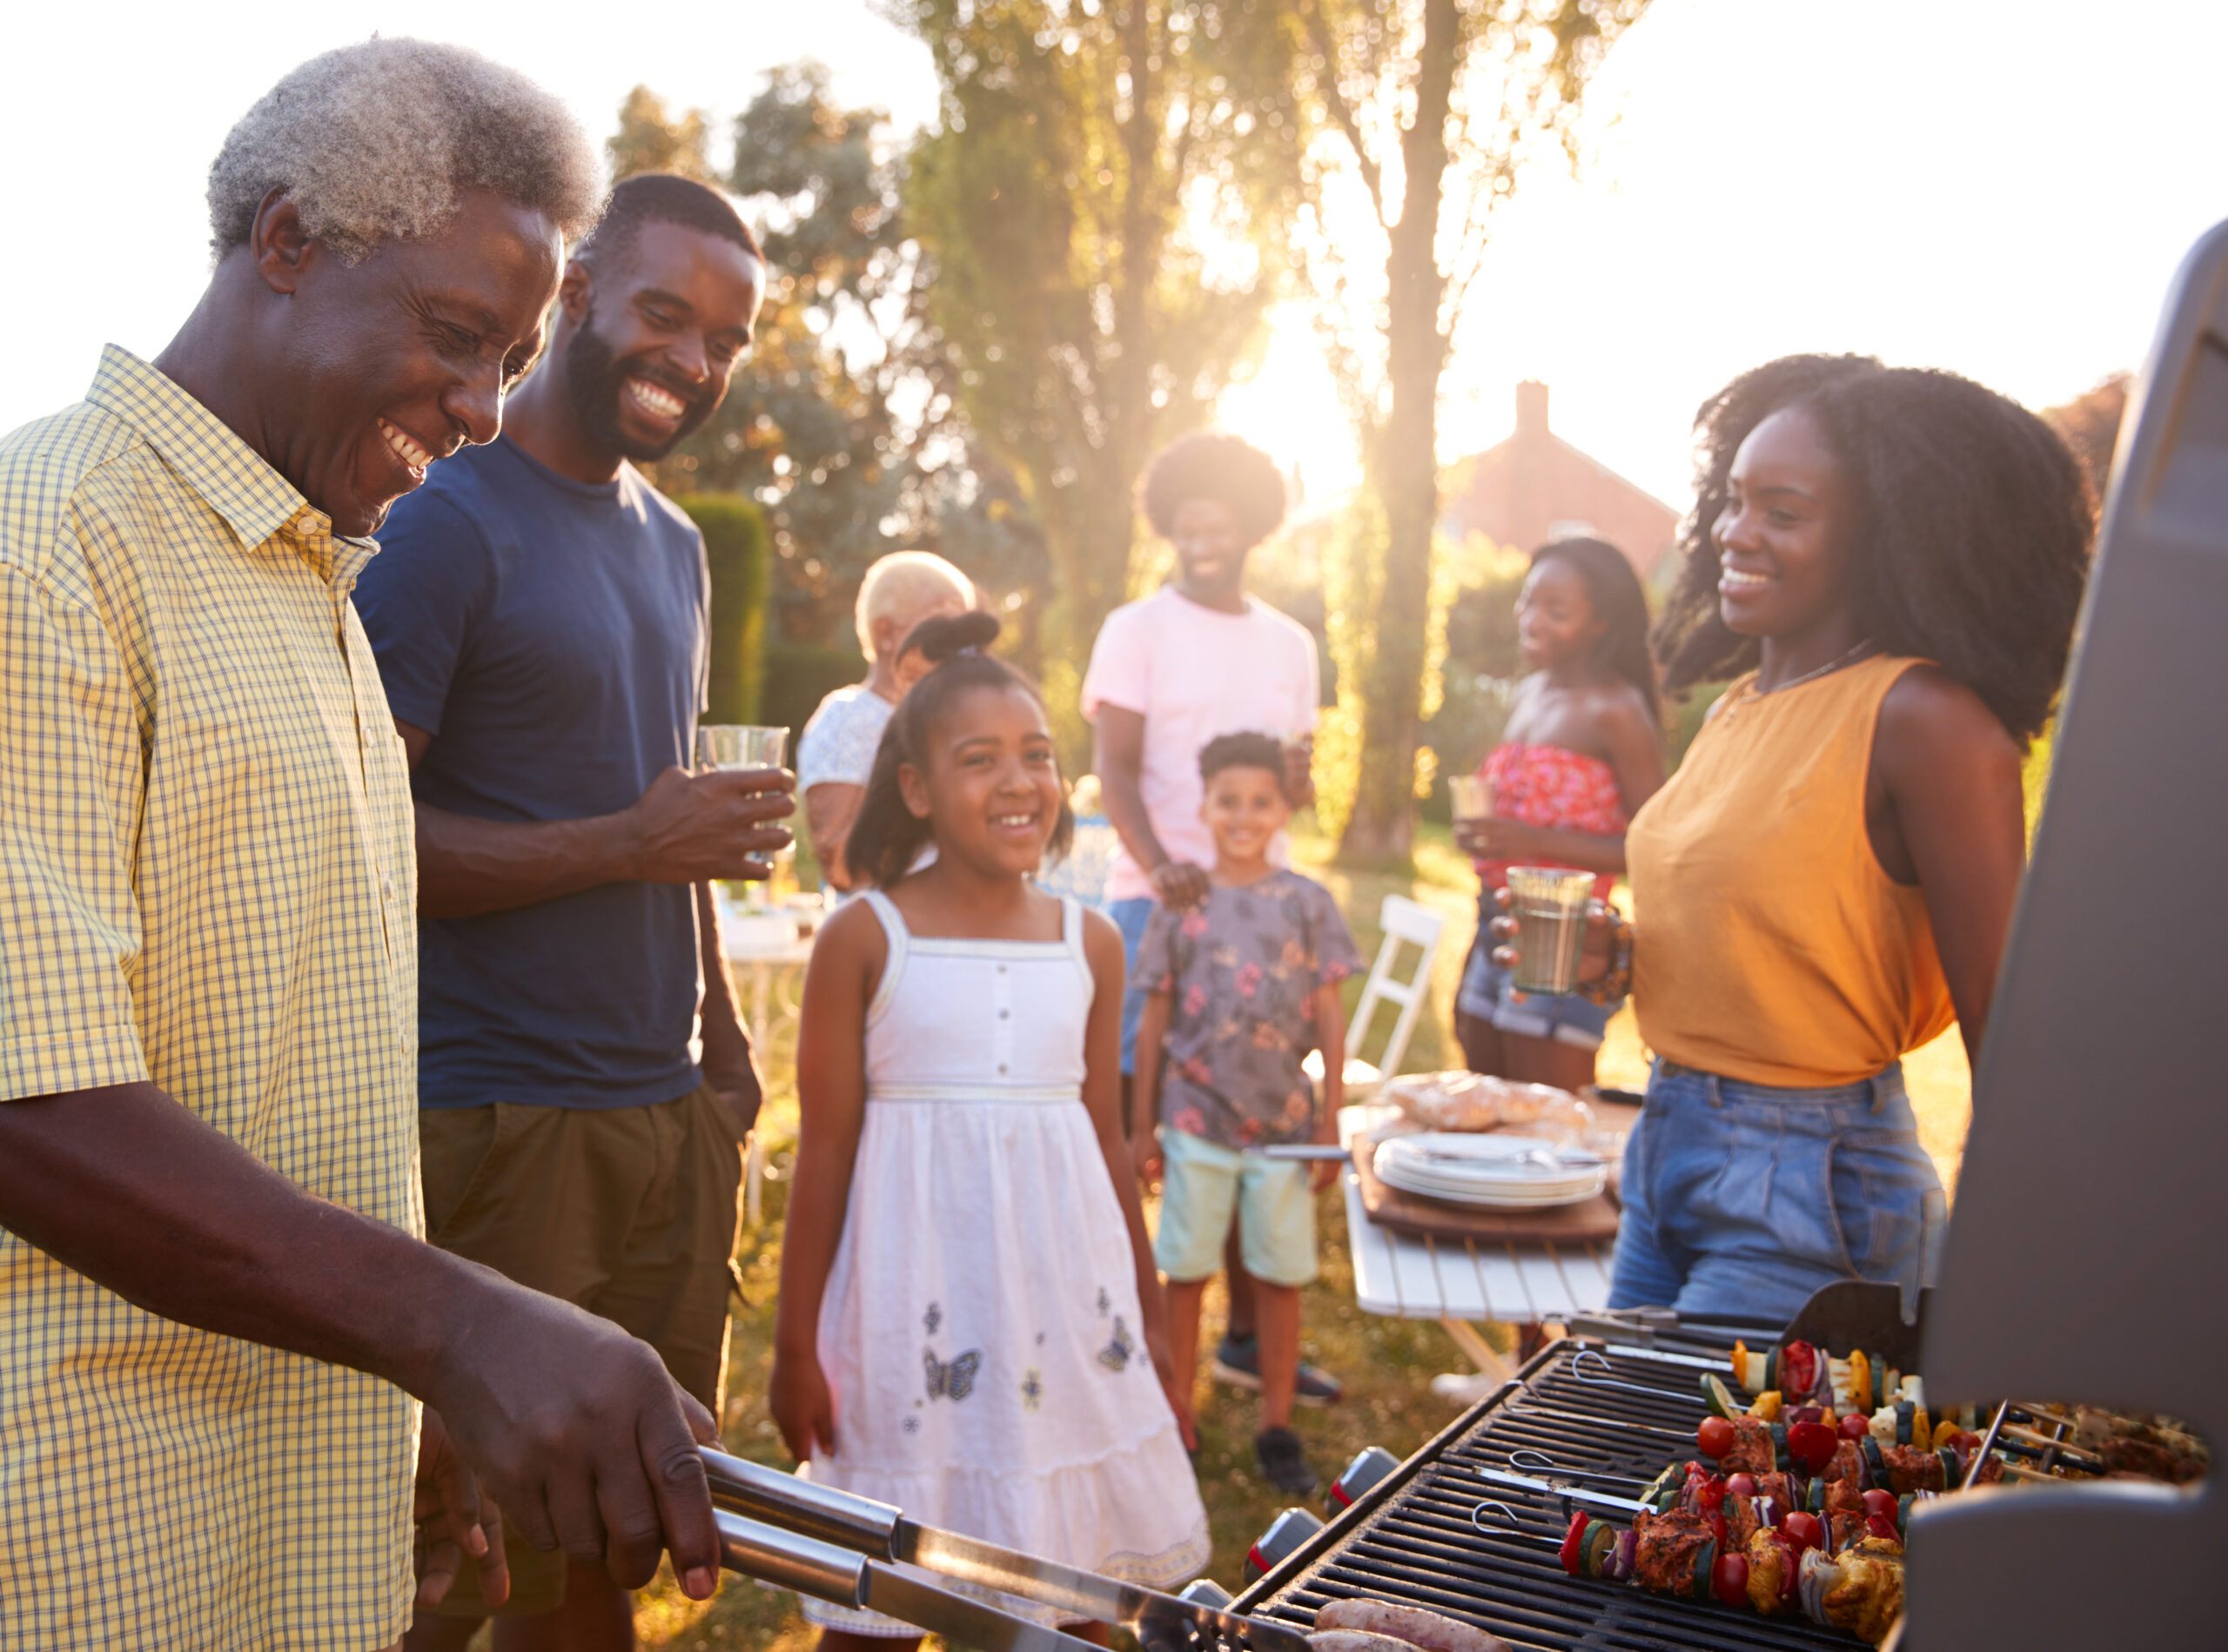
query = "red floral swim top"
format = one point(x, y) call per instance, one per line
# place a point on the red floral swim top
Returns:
point(1555, 786)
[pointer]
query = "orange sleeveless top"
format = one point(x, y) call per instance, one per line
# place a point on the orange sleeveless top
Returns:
point(1769, 946)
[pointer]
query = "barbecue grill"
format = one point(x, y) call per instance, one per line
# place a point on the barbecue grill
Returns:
point(1606, 1408)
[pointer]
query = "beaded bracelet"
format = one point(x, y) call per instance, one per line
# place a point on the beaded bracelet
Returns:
point(1618, 981)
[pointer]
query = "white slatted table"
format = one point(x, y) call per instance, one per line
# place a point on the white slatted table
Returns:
point(1460, 1282)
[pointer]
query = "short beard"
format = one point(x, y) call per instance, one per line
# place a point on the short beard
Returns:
point(595, 381)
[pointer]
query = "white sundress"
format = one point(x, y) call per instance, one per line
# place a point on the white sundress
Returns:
point(980, 1332)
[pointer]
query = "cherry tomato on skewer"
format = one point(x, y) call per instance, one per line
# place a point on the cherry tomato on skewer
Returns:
point(1715, 1437)
point(1729, 1579)
point(1803, 1531)
point(1740, 1485)
point(1812, 1446)
point(1855, 1426)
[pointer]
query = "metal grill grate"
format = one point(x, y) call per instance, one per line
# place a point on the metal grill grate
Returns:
point(1411, 1538)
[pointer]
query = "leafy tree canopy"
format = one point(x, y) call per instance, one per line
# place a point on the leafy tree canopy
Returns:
point(1102, 210)
point(841, 425)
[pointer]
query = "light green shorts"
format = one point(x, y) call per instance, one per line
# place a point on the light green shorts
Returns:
point(1204, 1185)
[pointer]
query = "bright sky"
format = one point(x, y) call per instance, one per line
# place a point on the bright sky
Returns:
point(2001, 188)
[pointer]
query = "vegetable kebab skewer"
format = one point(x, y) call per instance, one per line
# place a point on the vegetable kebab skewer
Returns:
point(1719, 1542)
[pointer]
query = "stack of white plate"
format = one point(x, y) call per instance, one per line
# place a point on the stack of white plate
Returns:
point(1491, 1171)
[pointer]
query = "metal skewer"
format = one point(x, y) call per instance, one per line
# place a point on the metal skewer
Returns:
point(1540, 1462)
point(1519, 1405)
point(1580, 1369)
point(1566, 1495)
point(1505, 1523)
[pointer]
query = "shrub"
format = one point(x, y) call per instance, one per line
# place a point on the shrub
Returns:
point(738, 549)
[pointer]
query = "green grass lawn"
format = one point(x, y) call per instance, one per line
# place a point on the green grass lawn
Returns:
point(1386, 1364)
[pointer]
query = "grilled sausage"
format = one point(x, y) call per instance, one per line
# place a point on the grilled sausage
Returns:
point(1383, 1620)
point(1355, 1641)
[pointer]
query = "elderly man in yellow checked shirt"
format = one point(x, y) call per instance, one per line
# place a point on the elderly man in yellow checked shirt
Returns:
point(215, 1307)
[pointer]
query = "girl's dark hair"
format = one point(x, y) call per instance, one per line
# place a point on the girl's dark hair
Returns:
point(1213, 464)
point(1618, 603)
point(1971, 541)
point(885, 834)
point(1244, 751)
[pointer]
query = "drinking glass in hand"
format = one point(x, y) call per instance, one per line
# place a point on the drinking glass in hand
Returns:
point(1549, 906)
point(1468, 794)
point(739, 745)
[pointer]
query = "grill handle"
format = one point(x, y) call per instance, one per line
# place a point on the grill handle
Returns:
point(791, 1562)
point(816, 1513)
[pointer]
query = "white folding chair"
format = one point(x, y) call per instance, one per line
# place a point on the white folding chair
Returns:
point(1405, 922)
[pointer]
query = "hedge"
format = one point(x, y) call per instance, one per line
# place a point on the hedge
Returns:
point(739, 551)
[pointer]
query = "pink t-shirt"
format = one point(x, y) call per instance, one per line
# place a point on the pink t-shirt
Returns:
point(1193, 673)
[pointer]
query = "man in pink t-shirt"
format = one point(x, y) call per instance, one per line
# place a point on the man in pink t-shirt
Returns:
point(1169, 672)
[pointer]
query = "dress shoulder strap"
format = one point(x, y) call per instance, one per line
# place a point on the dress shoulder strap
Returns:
point(1071, 934)
point(893, 927)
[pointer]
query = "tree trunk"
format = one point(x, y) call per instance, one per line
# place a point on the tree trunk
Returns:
point(1403, 464)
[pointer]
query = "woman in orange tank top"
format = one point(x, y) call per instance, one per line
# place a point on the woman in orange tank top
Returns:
point(1888, 563)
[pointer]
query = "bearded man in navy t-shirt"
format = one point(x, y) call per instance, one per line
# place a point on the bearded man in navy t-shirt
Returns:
point(538, 610)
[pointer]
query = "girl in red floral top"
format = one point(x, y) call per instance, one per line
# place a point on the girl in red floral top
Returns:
point(1582, 750)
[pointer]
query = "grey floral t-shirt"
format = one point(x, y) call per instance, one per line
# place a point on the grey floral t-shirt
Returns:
point(1241, 972)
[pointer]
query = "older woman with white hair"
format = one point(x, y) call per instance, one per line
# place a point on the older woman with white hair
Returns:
point(837, 754)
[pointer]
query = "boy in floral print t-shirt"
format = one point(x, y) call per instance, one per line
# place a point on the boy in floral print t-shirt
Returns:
point(1240, 989)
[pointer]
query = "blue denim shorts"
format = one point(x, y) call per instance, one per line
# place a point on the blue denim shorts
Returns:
point(1741, 1200)
point(1488, 993)
point(1131, 917)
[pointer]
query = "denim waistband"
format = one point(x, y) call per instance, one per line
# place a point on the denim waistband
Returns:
point(1877, 1091)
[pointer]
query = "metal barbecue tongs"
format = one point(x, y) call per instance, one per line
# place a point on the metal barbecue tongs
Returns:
point(768, 1518)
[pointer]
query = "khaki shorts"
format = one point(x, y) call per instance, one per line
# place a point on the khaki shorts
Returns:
point(1204, 1187)
point(626, 1211)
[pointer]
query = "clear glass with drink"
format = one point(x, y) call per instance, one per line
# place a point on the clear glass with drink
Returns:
point(739, 745)
point(1472, 799)
point(1549, 905)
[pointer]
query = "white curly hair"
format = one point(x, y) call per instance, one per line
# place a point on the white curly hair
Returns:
point(375, 142)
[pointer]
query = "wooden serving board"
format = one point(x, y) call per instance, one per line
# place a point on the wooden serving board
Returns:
point(1594, 1218)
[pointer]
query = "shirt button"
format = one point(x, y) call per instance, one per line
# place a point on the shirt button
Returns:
point(386, 889)
point(1002, 969)
point(1002, 1066)
point(1002, 1014)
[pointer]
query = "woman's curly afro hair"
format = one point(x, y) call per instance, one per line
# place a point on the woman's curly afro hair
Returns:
point(1971, 543)
point(1213, 464)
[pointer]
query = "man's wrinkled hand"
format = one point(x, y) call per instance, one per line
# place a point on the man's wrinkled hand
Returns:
point(454, 1526)
point(577, 1432)
point(689, 828)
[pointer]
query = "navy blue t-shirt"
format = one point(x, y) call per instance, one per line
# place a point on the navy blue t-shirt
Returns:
point(549, 634)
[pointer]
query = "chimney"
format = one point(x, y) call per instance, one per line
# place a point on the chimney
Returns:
point(1530, 408)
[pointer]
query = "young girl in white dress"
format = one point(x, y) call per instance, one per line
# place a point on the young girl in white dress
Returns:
point(970, 1325)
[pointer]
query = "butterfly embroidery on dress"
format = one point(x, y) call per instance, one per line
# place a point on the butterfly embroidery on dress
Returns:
point(956, 1380)
point(1032, 1389)
point(1115, 1356)
point(934, 1318)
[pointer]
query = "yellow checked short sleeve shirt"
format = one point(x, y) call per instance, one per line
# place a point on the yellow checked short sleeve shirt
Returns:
point(207, 880)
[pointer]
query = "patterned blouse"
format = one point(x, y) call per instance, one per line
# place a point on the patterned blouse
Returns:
point(1554, 787)
point(1242, 971)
